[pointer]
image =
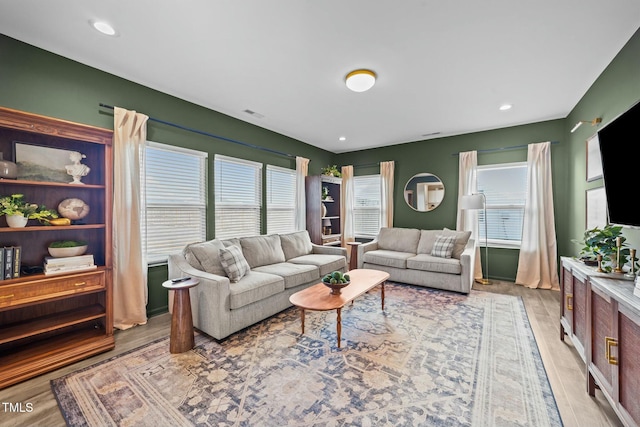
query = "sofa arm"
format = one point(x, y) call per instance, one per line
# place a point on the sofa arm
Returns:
point(468, 264)
point(208, 300)
point(328, 250)
point(364, 248)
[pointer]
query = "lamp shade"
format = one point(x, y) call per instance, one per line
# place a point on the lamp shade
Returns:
point(326, 222)
point(360, 80)
point(472, 201)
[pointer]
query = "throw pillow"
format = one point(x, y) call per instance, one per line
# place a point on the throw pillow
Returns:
point(234, 263)
point(462, 237)
point(443, 246)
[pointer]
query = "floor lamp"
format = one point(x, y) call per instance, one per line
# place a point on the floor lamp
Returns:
point(478, 201)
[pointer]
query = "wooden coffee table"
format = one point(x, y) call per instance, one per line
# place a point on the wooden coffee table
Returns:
point(319, 298)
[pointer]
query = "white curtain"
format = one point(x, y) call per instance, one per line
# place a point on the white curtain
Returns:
point(386, 199)
point(346, 209)
point(302, 170)
point(467, 219)
point(129, 260)
point(537, 264)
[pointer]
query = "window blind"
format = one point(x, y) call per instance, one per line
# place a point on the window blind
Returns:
point(174, 190)
point(281, 200)
point(505, 187)
point(366, 209)
point(238, 197)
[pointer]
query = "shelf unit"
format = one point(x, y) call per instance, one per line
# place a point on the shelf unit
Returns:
point(47, 322)
point(331, 209)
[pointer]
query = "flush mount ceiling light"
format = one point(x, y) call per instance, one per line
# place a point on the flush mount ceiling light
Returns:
point(505, 107)
point(103, 27)
point(593, 122)
point(360, 80)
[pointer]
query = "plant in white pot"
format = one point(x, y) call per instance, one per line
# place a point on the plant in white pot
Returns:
point(18, 211)
point(65, 248)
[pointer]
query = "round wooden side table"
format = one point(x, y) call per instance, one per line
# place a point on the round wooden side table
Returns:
point(353, 255)
point(182, 337)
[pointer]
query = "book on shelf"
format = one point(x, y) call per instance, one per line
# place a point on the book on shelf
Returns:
point(77, 269)
point(17, 261)
point(7, 255)
point(68, 264)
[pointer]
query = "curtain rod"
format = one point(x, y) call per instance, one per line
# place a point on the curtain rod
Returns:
point(212, 135)
point(514, 147)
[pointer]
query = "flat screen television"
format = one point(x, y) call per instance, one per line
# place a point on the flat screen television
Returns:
point(620, 154)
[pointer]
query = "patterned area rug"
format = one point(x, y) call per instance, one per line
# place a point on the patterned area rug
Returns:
point(433, 358)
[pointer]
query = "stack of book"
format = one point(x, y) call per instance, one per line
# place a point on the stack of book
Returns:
point(10, 260)
point(69, 264)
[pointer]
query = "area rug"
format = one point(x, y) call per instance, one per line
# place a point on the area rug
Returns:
point(432, 358)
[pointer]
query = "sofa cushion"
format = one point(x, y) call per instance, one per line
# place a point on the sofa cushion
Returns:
point(325, 263)
point(205, 256)
point(425, 262)
point(388, 258)
point(234, 263)
point(296, 244)
point(293, 274)
point(427, 239)
point(462, 237)
point(254, 287)
point(443, 246)
point(399, 239)
point(262, 250)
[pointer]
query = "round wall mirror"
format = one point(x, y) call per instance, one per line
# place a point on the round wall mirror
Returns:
point(424, 192)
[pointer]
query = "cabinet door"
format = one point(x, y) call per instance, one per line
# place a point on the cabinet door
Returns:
point(629, 364)
point(566, 308)
point(580, 313)
point(602, 354)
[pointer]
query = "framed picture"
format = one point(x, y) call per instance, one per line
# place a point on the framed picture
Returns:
point(38, 163)
point(594, 163)
point(596, 209)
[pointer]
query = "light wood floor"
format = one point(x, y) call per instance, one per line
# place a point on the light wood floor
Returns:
point(564, 367)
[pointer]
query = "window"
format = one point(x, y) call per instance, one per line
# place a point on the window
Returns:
point(281, 200)
point(366, 209)
point(505, 187)
point(238, 197)
point(174, 190)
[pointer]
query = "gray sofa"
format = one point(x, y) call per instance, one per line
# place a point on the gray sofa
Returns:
point(279, 265)
point(408, 255)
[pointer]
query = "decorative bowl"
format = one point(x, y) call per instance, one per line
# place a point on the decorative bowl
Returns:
point(69, 251)
point(336, 288)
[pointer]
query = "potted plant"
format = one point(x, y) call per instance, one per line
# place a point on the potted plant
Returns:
point(18, 211)
point(65, 248)
point(331, 171)
point(604, 241)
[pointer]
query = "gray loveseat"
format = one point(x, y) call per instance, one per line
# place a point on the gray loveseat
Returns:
point(408, 255)
point(279, 265)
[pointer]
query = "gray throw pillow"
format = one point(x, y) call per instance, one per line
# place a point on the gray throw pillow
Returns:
point(462, 237)
point(443, 246)
point(234, 263)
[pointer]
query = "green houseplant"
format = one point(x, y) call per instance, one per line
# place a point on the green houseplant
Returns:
point(15, 206)
point(603, 241)
point(331, 170)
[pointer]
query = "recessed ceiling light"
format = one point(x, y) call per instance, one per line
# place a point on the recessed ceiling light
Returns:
point(505, 107)
point(343, 138)
point(103, 27)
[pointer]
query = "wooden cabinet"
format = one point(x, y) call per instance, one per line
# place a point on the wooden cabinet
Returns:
point(50, 321)
point(573, 311)
point(323, 213)
point(613, 356)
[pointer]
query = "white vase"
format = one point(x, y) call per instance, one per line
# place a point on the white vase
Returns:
point(17, 221)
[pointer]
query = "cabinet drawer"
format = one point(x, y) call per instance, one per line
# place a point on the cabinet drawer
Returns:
point(43, 289)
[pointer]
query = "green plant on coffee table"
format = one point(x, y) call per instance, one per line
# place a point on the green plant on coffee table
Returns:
point(603, 241)
point(336, 280)
point(16, 205)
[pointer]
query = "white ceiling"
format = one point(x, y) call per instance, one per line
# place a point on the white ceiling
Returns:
point(443, 66)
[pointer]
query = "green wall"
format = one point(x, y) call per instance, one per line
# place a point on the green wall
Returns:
point(40, 82)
